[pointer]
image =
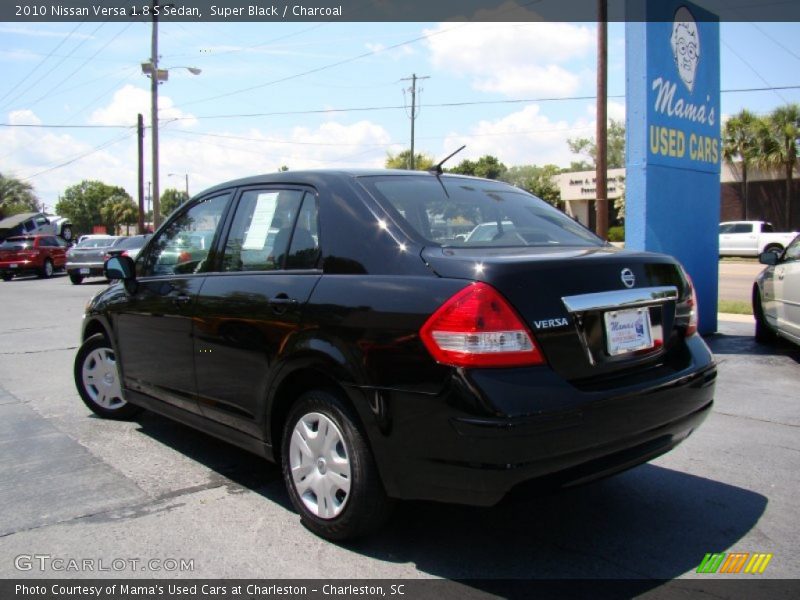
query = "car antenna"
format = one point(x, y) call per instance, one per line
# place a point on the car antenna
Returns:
point(437, 169)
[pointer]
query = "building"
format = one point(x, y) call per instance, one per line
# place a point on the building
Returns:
point(766, 196)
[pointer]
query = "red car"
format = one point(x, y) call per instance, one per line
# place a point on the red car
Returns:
point(40, 254)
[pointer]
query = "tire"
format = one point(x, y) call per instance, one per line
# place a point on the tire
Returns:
point(8, 276)
point(47, 269)
point(75, 278)
point(98, 382)
point(775, 248)
point(338, 503)
point(763, 333)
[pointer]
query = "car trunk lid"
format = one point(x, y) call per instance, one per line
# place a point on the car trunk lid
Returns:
point(578, 302)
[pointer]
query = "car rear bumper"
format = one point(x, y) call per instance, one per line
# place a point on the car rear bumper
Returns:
point(543, 428)
point(85, 269)
point(20, 266)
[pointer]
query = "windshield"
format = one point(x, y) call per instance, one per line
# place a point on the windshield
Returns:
point(475, 213)
point(96, 242)
point(17, 243)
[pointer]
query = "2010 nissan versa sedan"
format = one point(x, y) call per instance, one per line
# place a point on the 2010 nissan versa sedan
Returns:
point(325, 326)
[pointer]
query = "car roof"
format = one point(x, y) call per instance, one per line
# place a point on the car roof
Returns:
point(15, 220)
point(306, 176)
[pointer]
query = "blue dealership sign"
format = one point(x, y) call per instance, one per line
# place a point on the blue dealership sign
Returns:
point(674, 150)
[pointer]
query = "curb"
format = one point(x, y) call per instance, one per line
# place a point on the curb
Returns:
point(730, 317)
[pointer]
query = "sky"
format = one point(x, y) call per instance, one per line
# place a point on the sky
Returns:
point(274, 94)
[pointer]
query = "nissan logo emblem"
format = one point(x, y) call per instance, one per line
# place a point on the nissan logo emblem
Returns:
point(628, 278)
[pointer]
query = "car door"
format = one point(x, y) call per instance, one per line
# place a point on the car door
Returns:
point(744, 239)
point(787, 290)
point(725, 230)
point(154, 324)
point(251, 308)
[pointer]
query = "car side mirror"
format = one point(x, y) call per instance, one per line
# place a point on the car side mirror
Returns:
point(120, 267)
point(768, 258)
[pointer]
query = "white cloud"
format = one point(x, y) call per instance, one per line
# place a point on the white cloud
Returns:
point(130, 100)
point(523, 137)
point(511, 59)
point(207, 160)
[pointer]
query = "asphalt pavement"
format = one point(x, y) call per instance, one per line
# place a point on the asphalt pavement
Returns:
point(75, 486)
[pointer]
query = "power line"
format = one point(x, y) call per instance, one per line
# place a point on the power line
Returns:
point(446, 104)
point(49, 93)
point(80, 156)
point(377, 108)
point(754, 70)
point(53, 68)
point(40, 63)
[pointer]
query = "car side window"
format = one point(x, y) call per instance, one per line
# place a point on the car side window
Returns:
point(261, 230)
point(184, 245)
point(743, 228)
point(304, 249)
point(767, 228)
point(727, 228)
point(47, 242)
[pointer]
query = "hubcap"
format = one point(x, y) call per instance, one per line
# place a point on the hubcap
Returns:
point(48, 268)
point(320, 465)
point(101, 380)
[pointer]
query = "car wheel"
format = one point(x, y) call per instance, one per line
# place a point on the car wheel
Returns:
point(8, 276)
point(328, 468)
point(98, 381)
point(47, 269)
point(75, 278)
point(775, 249)
point(764, 333)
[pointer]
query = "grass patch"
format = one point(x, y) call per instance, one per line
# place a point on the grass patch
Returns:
point(736, 307)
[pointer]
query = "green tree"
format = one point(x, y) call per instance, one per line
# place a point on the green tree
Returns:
point(422, 162)
point(741, 146)
point(779, 147)
point(486, 166)
point(539, 181)
point(88, 203)
point(172, 199)
point(16, 197)
point(615, 140)
point(119, 211)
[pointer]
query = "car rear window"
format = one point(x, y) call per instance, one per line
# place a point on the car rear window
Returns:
point(17, 243)
point(96, 242)
point(474, 213)
point(130, 242)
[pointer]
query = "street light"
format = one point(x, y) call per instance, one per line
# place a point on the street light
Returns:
point(187, 181)
point(156, 75)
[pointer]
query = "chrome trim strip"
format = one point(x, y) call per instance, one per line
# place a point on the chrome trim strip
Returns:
point(620, 299)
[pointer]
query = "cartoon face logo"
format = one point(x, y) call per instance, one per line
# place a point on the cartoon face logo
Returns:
point(685, 42)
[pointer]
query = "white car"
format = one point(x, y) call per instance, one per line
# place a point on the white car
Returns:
point(776, 295)
point(751, 238)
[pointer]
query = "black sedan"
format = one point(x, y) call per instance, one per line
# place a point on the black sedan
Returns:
point(334, 322)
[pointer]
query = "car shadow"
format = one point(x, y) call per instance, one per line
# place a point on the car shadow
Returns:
point(738, 338)
point(648, 524)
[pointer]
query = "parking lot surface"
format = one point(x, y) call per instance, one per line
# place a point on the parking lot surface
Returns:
point(75, 486)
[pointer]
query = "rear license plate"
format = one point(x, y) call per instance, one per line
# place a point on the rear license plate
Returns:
point(628, 331)
point(84, 271)
point(13, 266)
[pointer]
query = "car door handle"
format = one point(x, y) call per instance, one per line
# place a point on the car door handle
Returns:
point(282, 300)
point(181, 299)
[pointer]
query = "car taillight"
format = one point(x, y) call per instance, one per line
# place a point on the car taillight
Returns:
point(477, 327)
point(691, 303)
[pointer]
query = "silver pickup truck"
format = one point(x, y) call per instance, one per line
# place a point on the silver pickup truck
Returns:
point(751, 238)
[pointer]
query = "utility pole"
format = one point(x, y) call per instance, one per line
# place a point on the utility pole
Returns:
point(413, 90)
point(154, 119)
point(140, 178)
point(601, 160)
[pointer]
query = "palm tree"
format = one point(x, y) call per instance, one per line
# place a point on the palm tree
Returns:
point(740, 144)
point(16, 196)
point(781, 147)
